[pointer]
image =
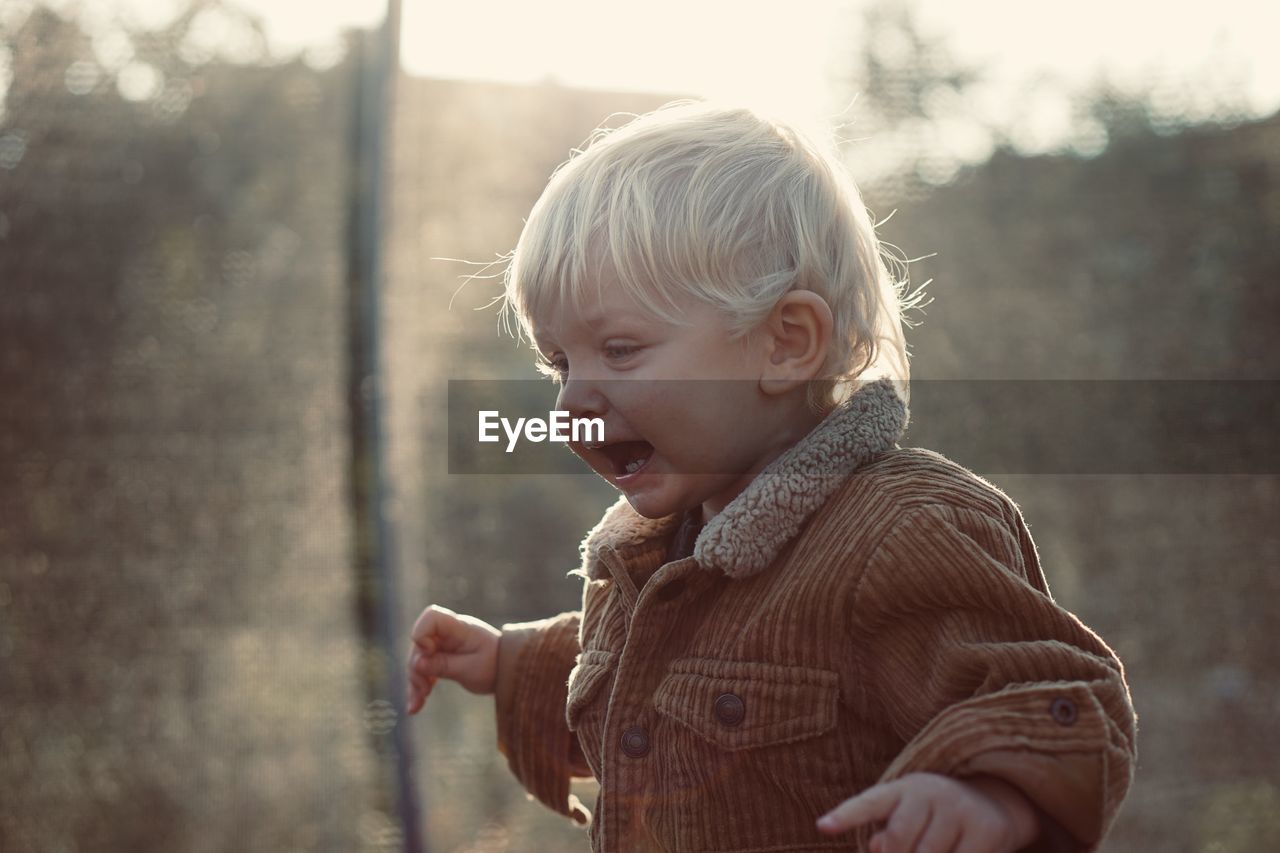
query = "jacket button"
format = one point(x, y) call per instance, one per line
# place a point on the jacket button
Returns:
point(1063, 711)
point(730, 709)
point(635, 742)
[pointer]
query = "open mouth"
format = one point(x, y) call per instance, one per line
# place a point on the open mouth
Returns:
point(628, 457)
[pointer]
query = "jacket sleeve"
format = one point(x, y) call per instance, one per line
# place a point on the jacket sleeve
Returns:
point(534, 661)
point(979, 672)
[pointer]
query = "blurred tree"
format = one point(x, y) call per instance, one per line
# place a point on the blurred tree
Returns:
point(911, 112)
point(903, 73)
point(171, 407)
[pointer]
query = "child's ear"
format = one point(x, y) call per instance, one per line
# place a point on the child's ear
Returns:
point(796, 333)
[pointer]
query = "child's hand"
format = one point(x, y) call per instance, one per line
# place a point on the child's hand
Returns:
point(927, 813)
point(448, 645)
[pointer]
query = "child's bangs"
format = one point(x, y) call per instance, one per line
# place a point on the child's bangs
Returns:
point(576, 243)
point(546, 272)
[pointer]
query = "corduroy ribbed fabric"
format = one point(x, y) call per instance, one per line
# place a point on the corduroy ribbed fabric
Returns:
point(861, 611)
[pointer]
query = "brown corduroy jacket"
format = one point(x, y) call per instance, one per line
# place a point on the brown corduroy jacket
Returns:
point(861, 611)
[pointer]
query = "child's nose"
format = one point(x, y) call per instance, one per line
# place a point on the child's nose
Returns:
point(581, 398)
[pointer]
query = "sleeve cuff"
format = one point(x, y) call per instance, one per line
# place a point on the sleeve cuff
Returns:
point(534, 660)
point(1051, 741)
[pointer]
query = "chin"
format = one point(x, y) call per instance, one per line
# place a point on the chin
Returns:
point(651, 506)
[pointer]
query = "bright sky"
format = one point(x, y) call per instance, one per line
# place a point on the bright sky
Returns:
point(750, 51)
point(787, 57)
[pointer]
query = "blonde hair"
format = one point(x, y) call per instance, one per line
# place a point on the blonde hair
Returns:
point(726, 206)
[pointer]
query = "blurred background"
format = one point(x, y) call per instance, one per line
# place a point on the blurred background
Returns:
point(228, 319)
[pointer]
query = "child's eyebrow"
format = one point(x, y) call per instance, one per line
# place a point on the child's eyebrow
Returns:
point(606, 321)
point(601, 324)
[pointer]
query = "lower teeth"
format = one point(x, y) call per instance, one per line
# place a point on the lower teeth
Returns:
point(633, 466)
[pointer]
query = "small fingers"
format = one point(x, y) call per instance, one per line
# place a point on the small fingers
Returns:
point(942, 835)
point(433, 666)
point(905, 827)
point(419, 690)
point(426, 664)
point(421, 680)
point(979, 838)
point(429, 622)
point(876, 803)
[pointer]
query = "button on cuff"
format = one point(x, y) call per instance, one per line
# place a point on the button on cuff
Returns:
point(1064, 711)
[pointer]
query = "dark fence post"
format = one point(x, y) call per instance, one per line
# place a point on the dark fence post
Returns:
point(375, 69)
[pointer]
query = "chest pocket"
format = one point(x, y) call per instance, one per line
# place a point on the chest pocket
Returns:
point(588, 700)
point(739, 705)
point(586, 679)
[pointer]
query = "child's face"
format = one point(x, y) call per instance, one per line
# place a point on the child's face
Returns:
point(686, 421)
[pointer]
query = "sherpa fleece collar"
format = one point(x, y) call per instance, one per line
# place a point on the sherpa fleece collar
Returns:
point(749, 533)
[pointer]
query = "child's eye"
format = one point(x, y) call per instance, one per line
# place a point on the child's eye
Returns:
point(615, 352)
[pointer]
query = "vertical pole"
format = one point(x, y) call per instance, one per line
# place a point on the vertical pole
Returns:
point(376, 64)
